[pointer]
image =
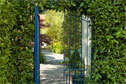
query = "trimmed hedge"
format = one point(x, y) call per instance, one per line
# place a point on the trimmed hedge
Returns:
point(16, 33)
point(109, 41)
point(108, 22)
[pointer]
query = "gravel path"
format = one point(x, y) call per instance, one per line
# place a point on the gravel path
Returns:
point(52, 71)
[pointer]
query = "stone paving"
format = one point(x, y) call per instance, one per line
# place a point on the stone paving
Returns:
point(52, 71)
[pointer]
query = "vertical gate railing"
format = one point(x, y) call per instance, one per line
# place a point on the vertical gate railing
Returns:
point(78, 71)
point(37, 47)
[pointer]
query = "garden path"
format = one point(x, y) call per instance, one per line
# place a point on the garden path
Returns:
point(52, 71)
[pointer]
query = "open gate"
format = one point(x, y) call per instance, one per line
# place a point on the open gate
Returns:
point(37, 47)
point(76, 71)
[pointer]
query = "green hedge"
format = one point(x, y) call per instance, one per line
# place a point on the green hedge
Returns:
point(108, 22)
point(16, 33)
point(109, 41)
point(109, 35)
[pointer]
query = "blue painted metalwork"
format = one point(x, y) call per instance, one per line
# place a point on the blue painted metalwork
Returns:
point(69, 43)
point(81, 45)
point(75, 42)
point(64, 46)
point(92, 56)
point(37, 47)
point(81, 48)
point(71, 71)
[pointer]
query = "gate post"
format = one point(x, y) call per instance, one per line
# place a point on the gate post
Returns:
point(37, 47)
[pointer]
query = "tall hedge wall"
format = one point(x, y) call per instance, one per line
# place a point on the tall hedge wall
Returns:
point(108, 20)
point(109, 41)
point(16, 33)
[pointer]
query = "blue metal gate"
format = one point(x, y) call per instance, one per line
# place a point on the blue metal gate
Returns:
point(37, 47)
point(78, 69)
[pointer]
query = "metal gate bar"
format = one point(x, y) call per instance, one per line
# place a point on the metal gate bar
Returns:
point(37, 47)
point(75, 41)
point(78, 69)
point(69, 43)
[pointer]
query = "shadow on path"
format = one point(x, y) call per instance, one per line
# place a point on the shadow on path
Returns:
point(52, 71)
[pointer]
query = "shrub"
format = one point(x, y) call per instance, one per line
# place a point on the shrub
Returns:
point(72, 59)
point(57, 47)
point(16, 32)
point(109, 46)
point(42, 58)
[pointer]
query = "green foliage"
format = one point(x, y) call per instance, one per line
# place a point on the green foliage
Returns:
point(109, 35)
point(72, 59)
point(62, 5)
point(57, 47)
point(66, 30)
point(108, 27)
point(75, 59)
point(16, 33)
point(55, 31)
point(55, 19)
point(42, 58)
